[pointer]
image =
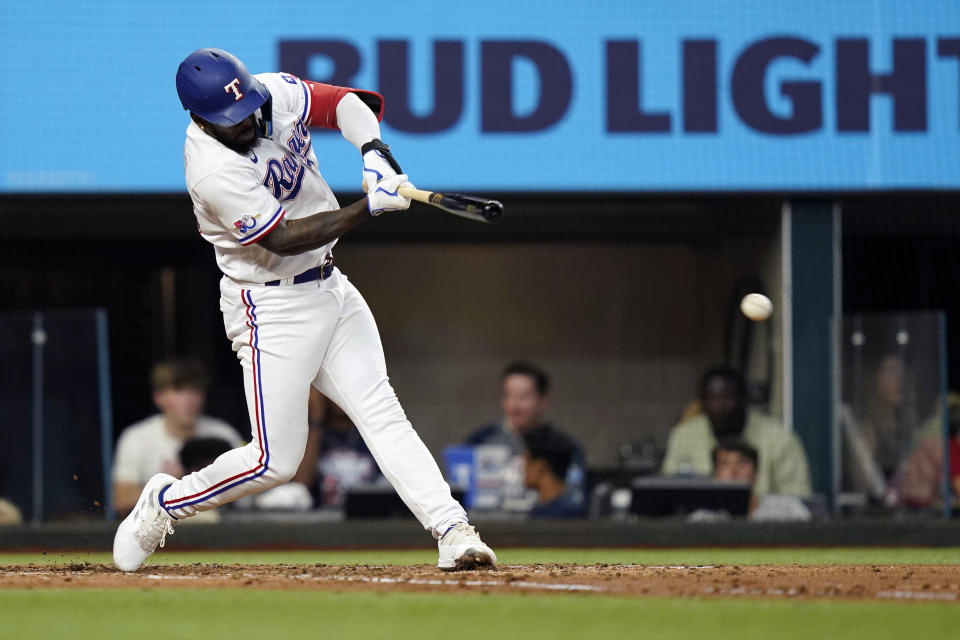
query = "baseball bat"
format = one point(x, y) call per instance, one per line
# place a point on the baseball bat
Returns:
point(469, 207)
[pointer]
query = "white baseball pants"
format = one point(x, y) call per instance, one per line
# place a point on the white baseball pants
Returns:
point(287, 338)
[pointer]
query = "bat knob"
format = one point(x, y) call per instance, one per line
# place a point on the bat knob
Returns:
point(492, 211)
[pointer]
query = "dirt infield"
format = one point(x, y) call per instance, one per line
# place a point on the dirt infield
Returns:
point(900, 582)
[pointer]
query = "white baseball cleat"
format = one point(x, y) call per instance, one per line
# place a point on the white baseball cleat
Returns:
point(145, 528)
point(461, 548)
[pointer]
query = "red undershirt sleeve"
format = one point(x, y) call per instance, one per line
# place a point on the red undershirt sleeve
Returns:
point(325, 97)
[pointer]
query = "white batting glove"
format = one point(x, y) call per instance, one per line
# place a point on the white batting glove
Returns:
point(375, 168)
point(384, 195)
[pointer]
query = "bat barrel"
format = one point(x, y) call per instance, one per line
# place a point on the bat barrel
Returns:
point(472, 207)
point(492, 211)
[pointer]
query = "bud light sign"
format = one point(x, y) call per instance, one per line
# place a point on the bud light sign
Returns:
point(687, 95)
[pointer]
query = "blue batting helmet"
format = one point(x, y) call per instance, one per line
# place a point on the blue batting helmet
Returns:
point(217, 87)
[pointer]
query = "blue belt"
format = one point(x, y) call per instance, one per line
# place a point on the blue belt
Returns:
point(317, 273)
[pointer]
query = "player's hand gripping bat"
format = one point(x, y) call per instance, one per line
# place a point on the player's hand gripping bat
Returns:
point(469, 207)
point(377, 160)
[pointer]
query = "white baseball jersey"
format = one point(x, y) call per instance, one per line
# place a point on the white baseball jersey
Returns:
point(239, 199)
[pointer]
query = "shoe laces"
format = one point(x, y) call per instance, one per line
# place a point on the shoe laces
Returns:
point(460, 531)
point(153, 530)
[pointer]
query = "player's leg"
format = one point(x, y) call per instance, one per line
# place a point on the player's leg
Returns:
point(354, 375)
point(280, 338)
point(279, 434)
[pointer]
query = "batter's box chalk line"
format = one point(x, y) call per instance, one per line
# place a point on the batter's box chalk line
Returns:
point(446, 582)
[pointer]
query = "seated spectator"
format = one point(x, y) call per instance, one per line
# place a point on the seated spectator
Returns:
point(9, 513)
point(547, 458)
point(198, 453)
point(723, 394)
point(879, 428)
point(919, 482)
point(337, 458)
point(195, 454)
point(525, 396)
point(152, 445)
point(734, 460)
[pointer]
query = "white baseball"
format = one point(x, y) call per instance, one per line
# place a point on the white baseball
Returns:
point(756, 306)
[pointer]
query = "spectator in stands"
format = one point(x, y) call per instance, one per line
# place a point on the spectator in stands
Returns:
point(9, 513)
point(879, 430)
point(548, 455)
point(152, 445)
point(919, 482)
point(337, 458)
point(889, 420)
point(723, 395)
point(198, 453)
point(734, 460)
point(194, 455)
point(524, 398)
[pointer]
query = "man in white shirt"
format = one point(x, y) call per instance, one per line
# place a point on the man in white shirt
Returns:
point(152, 445)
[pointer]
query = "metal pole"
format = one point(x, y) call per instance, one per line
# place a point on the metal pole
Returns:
point(39, 339)
point(106, 410)
point(836, 357)
point(786, 313)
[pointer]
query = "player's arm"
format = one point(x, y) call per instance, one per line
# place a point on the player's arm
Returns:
point(323, 109)
point(291, 237)
point(357, 115)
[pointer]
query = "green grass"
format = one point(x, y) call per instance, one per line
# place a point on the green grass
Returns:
point(169, 614)
point(856, 555)
point(211, 615)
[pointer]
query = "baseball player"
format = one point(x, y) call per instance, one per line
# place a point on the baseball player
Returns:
point(293, 319)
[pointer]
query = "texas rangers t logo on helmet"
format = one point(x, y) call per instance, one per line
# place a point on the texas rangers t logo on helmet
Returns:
point(235, 87)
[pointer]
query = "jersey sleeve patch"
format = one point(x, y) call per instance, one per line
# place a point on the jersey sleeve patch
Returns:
point(294, 80)
point(290, 96)
point(250, 228)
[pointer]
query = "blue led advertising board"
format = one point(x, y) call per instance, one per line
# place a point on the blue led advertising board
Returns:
point(616, 96)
